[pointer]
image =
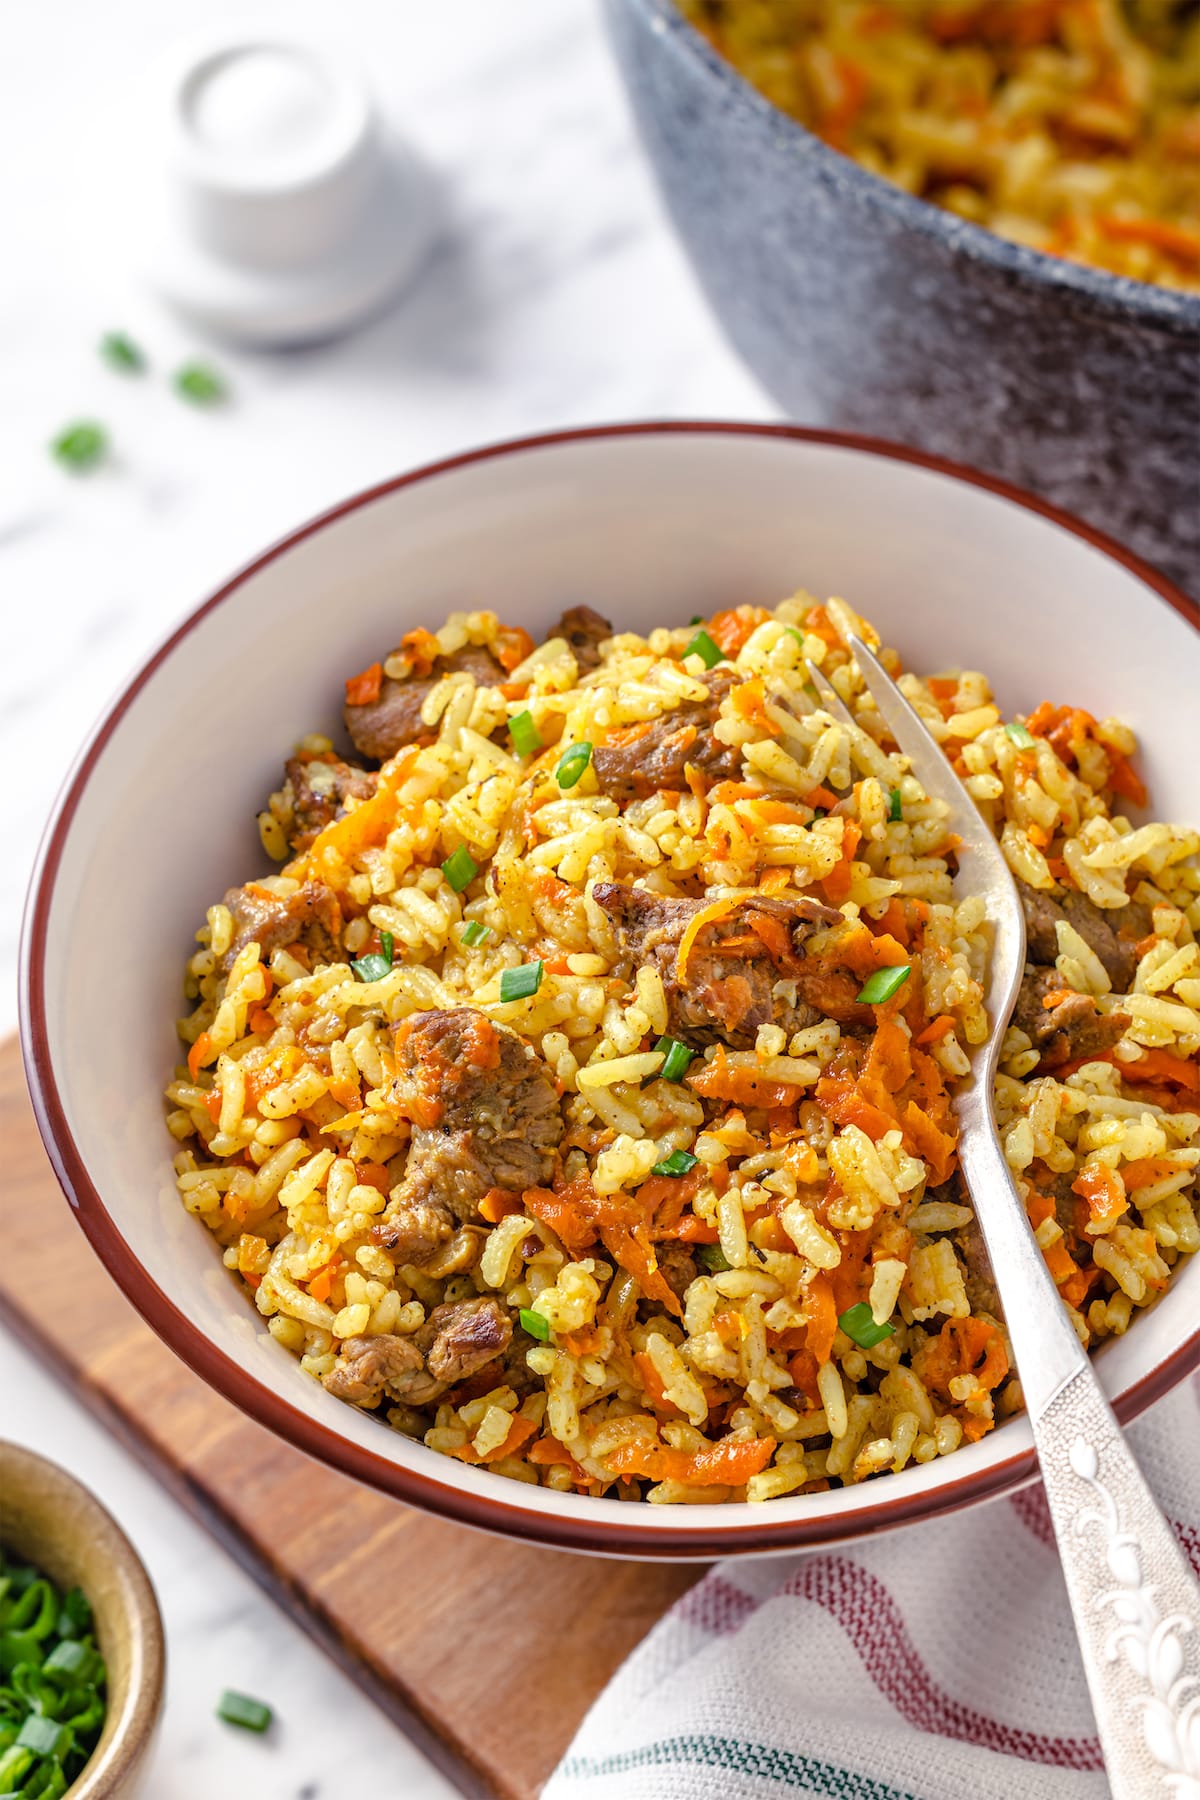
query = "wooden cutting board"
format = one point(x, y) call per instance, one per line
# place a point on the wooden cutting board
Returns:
point(462, 1645)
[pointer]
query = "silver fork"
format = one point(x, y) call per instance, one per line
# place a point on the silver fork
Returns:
point(1135, 1602)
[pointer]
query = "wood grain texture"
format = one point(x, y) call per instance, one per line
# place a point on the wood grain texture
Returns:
point(457, 1635)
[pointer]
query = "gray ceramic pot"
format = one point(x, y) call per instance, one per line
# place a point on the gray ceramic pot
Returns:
point(860, 307)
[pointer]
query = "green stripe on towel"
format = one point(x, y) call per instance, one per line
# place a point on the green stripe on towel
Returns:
point(765, 1762)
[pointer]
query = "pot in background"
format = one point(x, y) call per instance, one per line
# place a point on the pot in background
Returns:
point(861, 307)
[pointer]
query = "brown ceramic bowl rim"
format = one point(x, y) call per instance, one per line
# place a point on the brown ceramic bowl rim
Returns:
point(622, 1535)
point(1145, 303)
point(128, 1726)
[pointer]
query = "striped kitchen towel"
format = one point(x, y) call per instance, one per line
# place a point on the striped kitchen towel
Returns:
point(932, 1663)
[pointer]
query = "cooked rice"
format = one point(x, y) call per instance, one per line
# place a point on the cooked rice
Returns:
point(828, 1194)
point(1069, 125)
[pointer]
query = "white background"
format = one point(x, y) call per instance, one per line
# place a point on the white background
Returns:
point(556, 296)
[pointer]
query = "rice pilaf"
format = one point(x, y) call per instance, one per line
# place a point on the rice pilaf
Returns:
point(578, 1097)
point(1069, 125)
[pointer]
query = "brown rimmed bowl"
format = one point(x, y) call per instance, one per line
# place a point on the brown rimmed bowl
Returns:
point(51, 1520)
point(645, 522)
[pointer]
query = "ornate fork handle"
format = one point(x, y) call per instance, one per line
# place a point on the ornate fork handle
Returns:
point(1135, 1601)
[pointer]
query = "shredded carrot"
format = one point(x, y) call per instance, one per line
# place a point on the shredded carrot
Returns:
point(941, 1027)
point(822, 1315)
point(320, 1285)
point(584, 1342)
point(1123, 779)
point(818, 621)
point(260, 1020)
point(802, 1367)
point(1103, 1190)
point(373, 1174)
point(773, 881)
point(963, 1347)
point(1055, 997)
point(689, 1230)
point(635, 1253)
point(548, 1452)
point(652, 1383)
point(1145, 1170)
point(1163, 234)
point(1163, 1065)
point(512, 645)
point(497, 1205)
point(729, 1463)
point(707, 915)
point(364, 689)
point(836, 884)
point(199, 1054)
point(562, 1215)
point(730, 630)
point(212, 1104)
point(518, 1432)
point(365, 824)
point(717, 1080)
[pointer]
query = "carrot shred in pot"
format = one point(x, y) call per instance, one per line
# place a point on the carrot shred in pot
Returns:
point(725, 1464)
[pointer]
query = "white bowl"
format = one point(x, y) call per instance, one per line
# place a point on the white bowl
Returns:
point(646, 523)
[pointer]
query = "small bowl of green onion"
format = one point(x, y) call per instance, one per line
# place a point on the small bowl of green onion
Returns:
point(81, 1641)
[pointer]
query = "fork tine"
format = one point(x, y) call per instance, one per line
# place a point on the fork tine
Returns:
point(830, 699)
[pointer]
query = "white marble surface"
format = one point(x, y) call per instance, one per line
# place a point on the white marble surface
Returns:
point(556, 296)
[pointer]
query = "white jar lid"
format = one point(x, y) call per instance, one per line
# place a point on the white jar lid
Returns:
point(284, 211)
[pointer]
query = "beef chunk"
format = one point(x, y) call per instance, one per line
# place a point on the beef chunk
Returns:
point(380, 728)
point(677, 1266)
point(485, 1115)
point(273, 921)
point(454, 1342)
point(1071, 1029)
point(318, 791)
point(646, 758)
point(727, 987)
point(585, 631)
point(460, 1338)
point(1112, 934)
point(370, 1366)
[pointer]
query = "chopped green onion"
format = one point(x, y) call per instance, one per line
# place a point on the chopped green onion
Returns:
point(572, 763)
point(703, 647)
point(520, 984)
point(713, 1258)
point(67, 1658)
point(535, 1324)
point(678, 1056)
point(524, 733)
point(200, 384)
point(696, 619)
point(793, 631)
point(810, 688)
point(678, 1163)
point(240, 1709)
point(460, 869)
point(76, 1615)
point(474, 933)
point(43, 1736)
point(81, 446)
point(883, 984)
point(1020, 735)
point(896, 811)
point(119, 350)
point(858, 1323)
point(371, 968)
point(387, 947)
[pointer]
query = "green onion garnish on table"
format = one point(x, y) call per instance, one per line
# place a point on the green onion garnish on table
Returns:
point(522, 983)
point(120, 352)
point(243, 1710)
point(526, 738)
point(200, 384)
point(896, 810)
point(535, 1324)
point(474, 933)
point(858, 1323)
point(703, 647)
point(52, 1681)
point(883, 984)
point(572, 763)
point(80, 446)
point(460, 869)
point(1021, 736)
point(677, 1058)
point(678, 1163)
